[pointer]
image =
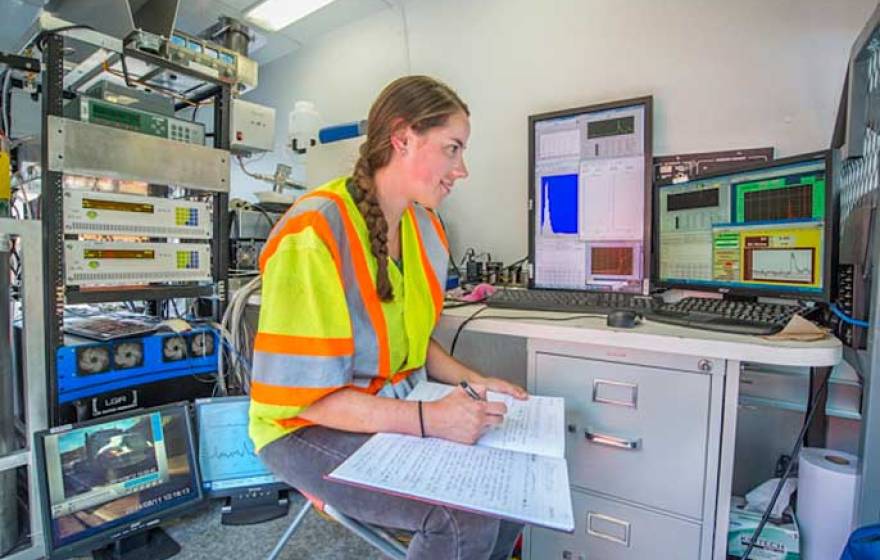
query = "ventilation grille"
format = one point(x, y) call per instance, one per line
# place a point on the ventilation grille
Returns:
point(859, 176)
point(139, 276)
point(77, 227)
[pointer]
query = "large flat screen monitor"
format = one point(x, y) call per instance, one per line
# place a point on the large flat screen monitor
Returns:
point(590, 182)
point(105, 481)
point(765, 230)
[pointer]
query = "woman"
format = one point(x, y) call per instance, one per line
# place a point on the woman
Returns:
point(352, 289)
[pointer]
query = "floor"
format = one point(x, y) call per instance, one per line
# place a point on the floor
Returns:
point(201, 536)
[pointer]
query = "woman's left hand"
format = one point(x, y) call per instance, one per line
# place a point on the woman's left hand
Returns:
point(501, 386)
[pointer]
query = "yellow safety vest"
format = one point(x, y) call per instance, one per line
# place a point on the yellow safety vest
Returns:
point(322, 326)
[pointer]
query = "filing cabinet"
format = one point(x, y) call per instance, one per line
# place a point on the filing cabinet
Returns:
point(637, 447)
point(652, 423)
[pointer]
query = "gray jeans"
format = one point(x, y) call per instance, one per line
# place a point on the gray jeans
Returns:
point(303, 458)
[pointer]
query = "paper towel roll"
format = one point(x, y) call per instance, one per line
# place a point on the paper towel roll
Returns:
point(827, 483)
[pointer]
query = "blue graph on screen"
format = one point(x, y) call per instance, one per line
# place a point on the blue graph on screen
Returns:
point(559, 204)
point(225, 450)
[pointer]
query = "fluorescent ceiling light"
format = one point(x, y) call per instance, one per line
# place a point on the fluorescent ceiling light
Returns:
point(278, 14)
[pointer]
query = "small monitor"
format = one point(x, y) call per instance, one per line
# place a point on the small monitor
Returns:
point(229, 466)
point(109, 481)
point(765, 230)
point(590, 175)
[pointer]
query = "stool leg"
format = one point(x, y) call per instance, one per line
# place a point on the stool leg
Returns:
point(389, 538)
point(290, 530)
point(384, 542)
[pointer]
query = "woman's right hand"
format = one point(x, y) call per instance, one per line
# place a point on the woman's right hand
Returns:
point(459, 417)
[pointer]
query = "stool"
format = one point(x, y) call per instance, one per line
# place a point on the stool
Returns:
point(377, 537)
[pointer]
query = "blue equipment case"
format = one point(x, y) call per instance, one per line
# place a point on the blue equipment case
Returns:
point(88, 368)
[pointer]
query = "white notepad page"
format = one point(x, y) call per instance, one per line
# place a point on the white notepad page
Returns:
point(530, 426)
point(516, 471)
point(519, 486)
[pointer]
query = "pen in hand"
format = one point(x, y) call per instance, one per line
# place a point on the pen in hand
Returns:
point(470, 391)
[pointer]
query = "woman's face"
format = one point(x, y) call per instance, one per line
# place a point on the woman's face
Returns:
point(434, 160)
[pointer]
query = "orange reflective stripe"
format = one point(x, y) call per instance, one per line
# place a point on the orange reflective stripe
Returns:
point(279, 395)
point(313, 219)
point(374, 387)
point(294, 423)
point(365, 284)
point(288, 396)
point(401, 375)
point(438, 227)
point(427, 267)
point(303, 345)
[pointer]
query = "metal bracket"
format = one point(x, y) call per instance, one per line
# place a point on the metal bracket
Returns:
point(102, 151)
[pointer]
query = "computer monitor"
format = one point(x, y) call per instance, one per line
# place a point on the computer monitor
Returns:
point(765, 230)
point(229, 467)
point(590, 175)
point(107, 483)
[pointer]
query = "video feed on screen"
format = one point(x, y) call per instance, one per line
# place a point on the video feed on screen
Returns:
point(117, 471)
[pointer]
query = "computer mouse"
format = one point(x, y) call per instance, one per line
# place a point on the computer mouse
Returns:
point(623, 319)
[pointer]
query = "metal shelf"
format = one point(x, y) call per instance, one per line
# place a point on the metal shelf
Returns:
point(88, 149)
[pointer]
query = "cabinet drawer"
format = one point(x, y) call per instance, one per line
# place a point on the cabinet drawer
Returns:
point(610, 530)
point(634, 432)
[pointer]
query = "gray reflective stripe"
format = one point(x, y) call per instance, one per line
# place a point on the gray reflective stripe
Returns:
point(299, 207)
point(401, 389)
point(366, 356)
point(418, 376)
point(363, 380)
point(387, 391)
point(433, 245)
point(406, 386)
point(301, 371)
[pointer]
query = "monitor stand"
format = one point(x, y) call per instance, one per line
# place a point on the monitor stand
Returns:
point(249, 509)
point(153, 544)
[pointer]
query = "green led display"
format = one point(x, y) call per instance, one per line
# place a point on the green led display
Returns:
point(782, 198)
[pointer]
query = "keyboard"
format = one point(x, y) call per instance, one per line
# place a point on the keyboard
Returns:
point(750, 318)
point(568, 301)
point(725, 316)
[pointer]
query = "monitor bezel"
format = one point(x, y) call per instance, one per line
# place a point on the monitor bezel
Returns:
point(648, 102)
point(828, 258)
point(238, 490)
point(122, 530)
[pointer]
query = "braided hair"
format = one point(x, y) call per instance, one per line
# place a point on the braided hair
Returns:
point(416, 101)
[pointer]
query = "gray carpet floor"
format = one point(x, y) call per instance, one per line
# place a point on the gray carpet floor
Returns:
point(202, 537)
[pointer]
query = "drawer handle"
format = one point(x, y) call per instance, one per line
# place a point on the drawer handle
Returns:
point(613, 441)
point(615, 392)
point(608, 528)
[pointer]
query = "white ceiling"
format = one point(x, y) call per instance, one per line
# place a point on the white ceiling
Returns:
point(196, 15)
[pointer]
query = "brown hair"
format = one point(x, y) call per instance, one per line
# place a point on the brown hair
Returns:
point(420, 102)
